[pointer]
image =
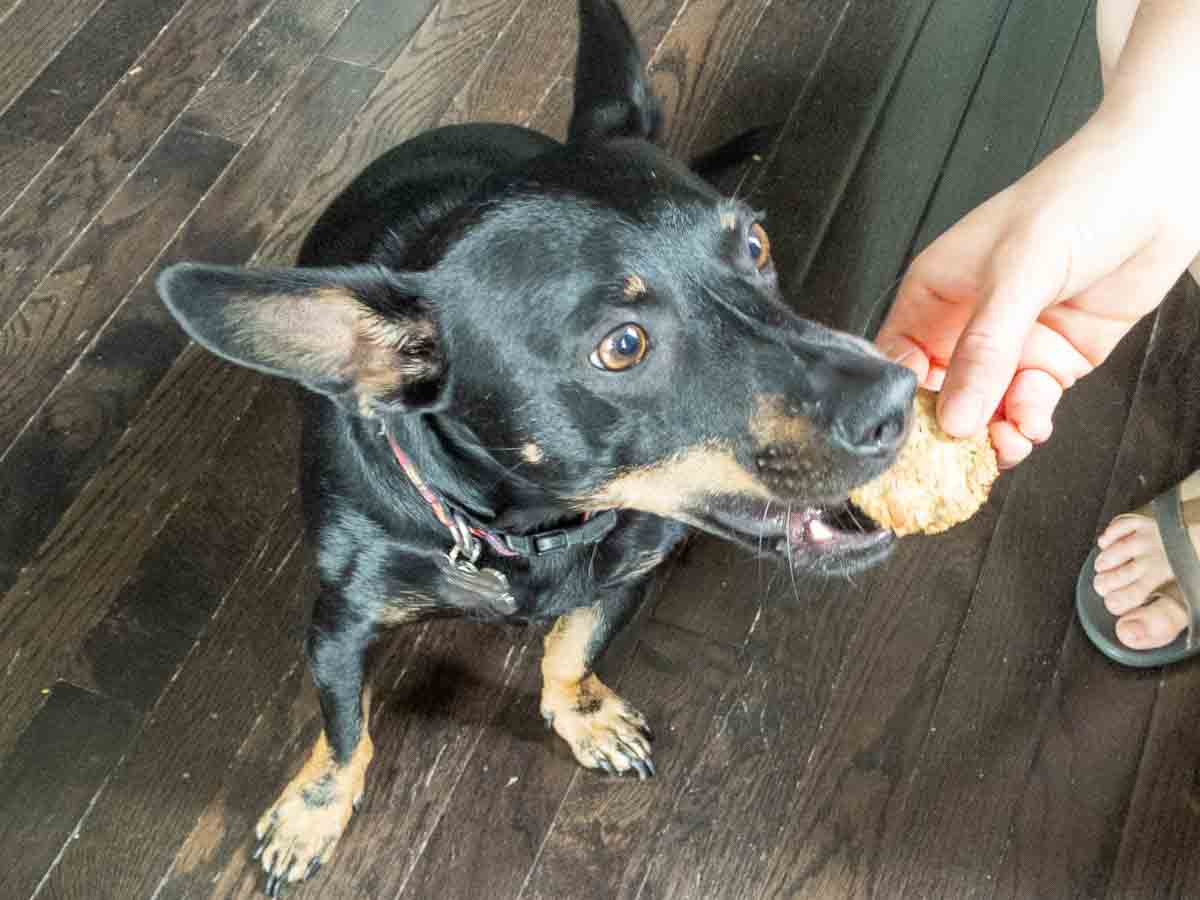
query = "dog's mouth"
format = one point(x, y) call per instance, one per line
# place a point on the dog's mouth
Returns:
point(833, 537)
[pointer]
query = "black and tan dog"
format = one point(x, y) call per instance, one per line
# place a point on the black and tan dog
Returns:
point(531, 367)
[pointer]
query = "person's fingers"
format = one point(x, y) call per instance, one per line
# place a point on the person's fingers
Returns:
point(902, 350)
point(1024, 277)
point(1030, 402)
point(1011, 446)
point(936, 377)
point(1098, 317)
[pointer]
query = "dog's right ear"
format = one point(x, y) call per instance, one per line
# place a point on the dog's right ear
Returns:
point(362, 336)
point(612, 98)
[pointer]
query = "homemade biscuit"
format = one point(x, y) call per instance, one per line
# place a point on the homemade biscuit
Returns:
point(935, 483)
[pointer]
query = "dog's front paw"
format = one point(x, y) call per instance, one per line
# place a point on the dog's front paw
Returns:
point(603, 731)
point(297, 835)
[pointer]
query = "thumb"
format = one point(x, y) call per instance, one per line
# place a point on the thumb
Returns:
point(988, 352)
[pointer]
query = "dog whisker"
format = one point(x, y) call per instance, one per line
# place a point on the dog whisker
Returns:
point(791, 567)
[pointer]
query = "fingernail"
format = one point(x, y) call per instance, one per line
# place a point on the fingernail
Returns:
point(962, 413)
point(1038, 432)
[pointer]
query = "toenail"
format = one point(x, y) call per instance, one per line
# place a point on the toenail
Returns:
point(1131, 631)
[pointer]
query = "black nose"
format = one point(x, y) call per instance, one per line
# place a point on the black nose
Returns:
point(871, 410)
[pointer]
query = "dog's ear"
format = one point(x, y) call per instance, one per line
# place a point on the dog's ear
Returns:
point(362, 336)
point(612, 98)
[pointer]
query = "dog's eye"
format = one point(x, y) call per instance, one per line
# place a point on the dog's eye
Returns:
point(759, 245)
point(621, 349)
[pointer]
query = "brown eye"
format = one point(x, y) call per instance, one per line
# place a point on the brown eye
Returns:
point(759, 245)
point(621, 349)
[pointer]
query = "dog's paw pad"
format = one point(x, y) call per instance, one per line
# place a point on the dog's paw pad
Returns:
point(296, 837)
point(603, 731)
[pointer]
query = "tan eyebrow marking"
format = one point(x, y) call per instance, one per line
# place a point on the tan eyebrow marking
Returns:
point(634, 286)
point(729, 220)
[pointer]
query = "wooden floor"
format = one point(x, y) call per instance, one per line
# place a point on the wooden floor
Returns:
point(937, 728)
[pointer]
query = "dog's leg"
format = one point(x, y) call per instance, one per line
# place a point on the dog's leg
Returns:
point(298, 833)
point(603, 731)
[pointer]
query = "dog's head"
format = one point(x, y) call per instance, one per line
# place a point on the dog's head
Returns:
point(607, 329)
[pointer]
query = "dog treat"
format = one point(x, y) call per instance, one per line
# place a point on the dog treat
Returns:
point(935, 483)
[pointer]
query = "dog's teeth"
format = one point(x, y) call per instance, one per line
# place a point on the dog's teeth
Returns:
point(819, 532)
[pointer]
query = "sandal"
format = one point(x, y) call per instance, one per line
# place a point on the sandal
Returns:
point(1101, 626)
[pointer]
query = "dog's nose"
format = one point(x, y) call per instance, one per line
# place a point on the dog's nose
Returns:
point(876, 401)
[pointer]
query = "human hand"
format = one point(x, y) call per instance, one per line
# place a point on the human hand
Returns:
point(1034, 288)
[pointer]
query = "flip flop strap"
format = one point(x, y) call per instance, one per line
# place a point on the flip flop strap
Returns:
point(1168, 512)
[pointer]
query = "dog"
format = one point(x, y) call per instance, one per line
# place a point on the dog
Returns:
point(531, 368)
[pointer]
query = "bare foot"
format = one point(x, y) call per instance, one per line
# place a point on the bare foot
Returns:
point(1135, 579)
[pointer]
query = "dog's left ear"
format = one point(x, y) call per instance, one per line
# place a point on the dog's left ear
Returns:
point(362, 336)
point(612, 98)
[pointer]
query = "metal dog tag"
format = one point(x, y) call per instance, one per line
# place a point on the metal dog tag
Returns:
point(486, 585)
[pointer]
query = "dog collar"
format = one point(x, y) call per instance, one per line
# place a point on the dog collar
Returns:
point(469, 537)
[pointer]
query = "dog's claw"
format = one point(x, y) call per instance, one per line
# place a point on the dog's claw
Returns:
point(607, 766)
point(272, 889)
point(313, 868)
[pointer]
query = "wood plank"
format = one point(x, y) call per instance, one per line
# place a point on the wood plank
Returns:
point(181, 756)
point(521, 67)
point(377, 31)
point(719, 590)
point(827, 129)
point(213, 859)
point(437, 690)
point(49, 330)
point(508, 793)
point(857, 765)
point(33, 33)
point(749, 766)
point(72, 190)
point(95, 58)
point(20, 160)
point(452, 42)
point(71, 436)
point(58, 766)
point(553, 112)
point(535, 52)
point(699, 53)
point(517, 781)
point(71, 582)
point(1153, 858)
point(1002, 127)
point(1068, 823)
point(963, 796)
point(197, 558)
point(772, 76)
point(411, 97)
point(606, 830)
point(901, 162)
point(263, 67)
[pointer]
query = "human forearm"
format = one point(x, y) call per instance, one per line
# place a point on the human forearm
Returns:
point(1152, 67)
